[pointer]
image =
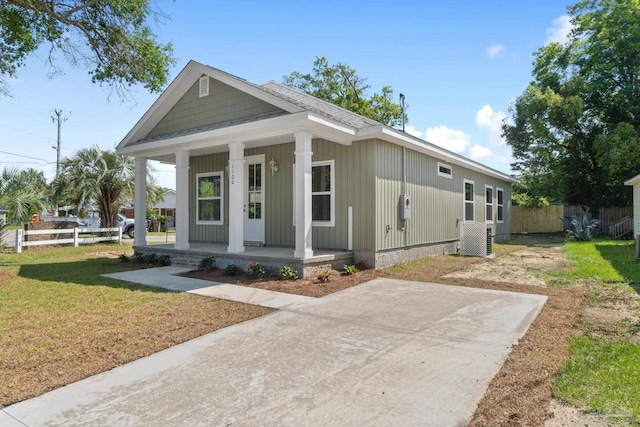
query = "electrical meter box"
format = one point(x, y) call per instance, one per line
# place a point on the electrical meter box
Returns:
point(405, 207)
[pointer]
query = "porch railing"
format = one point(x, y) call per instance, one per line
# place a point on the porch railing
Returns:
point(621, 228)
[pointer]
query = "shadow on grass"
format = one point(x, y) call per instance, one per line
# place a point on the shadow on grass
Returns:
point(536, 239)
point(85, 272)
point(622, 259)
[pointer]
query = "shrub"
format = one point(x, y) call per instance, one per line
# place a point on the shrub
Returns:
point(207, 263)
point(349, 269)
point(581, 228)
point(257, 270)
point(152, 258)
point(288, 273)
point(164, 260)
point(123, 258)
point(231, 270)
point(139, 256)
point(324, 277)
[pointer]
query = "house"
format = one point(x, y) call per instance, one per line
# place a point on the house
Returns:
point(635, 182)
point(165, 207)
point(267, 173)
point(3, 214)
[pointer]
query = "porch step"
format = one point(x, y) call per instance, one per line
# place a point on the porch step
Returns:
point(622, 228)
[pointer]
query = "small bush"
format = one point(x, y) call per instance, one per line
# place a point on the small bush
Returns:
point(123, 258)
point(207, 263)
point(349, 270)
point(164, 260)
point(152, 258)
point(257, 270)
point(140, 257)
point(324, 277)
point(231, 270)
point(288, 273)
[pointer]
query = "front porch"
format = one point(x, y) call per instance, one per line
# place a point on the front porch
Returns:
point(273, 258)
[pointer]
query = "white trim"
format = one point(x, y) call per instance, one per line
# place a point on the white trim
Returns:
point(465, 201)
point(489, 203)
point(203, 86)
point(633, 180)
point(255, 159)
point(220, 197)
point(443, 174)
point(498, 205)
point(331, 193)
point(349, 228)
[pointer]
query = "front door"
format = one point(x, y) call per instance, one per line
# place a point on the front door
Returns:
point(254, 199)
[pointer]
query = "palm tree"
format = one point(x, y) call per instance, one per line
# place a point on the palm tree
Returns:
point(22, 192)
point(101, 176)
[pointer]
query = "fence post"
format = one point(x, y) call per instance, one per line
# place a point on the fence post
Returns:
point(75, 237)
point(19, 234)
point(120, 234)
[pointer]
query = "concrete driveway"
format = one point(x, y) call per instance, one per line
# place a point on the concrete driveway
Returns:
point(384, 353)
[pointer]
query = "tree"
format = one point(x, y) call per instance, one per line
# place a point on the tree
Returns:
point(102, 176)
point(340, 84)
point(110, 37)
point(22, 192)
point(575, 130)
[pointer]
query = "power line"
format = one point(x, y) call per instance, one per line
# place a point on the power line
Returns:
point(26, 157)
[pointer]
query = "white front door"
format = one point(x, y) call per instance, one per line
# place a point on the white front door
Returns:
point(254, 199)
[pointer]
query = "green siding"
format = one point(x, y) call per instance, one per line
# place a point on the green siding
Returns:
point(223, 104)
point(436, 202)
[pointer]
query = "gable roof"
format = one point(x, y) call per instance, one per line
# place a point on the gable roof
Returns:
point(633, 180)
point(301, 110)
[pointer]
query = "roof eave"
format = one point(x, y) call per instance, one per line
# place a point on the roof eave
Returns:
point(633, 180)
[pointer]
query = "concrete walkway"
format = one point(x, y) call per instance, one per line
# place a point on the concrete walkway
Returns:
point(166, 278)
point(384, 353)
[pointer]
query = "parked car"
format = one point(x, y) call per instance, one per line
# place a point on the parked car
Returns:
point(127, 224)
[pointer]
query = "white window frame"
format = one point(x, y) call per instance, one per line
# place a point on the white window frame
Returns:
point(465, 201)
point(499, 205)
point(488, 203)
point(221, 197)
point(332, 193)
point(443, 174)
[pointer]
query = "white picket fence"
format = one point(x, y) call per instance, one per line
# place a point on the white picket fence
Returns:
point(76, 240)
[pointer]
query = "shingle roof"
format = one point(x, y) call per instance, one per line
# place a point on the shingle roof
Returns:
point(316, 105)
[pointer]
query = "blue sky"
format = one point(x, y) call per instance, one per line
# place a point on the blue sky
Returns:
point(459, 64)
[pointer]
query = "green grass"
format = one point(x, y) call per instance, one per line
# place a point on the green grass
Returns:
point(603, 377)
point(609, 261)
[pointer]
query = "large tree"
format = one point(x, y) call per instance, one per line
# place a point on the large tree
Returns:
point(575, 131)
point(101, 176)
point(22, 192)
point(341, 85)
point(110, 37)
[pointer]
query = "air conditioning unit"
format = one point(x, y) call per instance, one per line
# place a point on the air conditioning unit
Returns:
point(476, 239)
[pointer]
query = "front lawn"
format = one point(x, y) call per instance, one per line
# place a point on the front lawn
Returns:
point(61, 322)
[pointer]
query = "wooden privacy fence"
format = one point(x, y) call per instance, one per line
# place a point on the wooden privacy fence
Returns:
point(548, 219)
point(73, 236)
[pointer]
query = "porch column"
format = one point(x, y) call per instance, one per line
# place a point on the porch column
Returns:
point(140, 207)
point(303, 195)
point(236, 198)
point(182, 200)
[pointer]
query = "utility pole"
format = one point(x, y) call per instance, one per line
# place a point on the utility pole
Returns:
point(58, 118)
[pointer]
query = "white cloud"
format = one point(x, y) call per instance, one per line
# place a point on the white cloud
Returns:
point(451, 139)
point(480, 153)
point(559, 30)
point(413, 131)
point(495, 50)
point(491, 121)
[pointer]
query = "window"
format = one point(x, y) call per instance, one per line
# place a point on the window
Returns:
point(323, 193)
point(500, 197)
point(488, 201)
point(469, 200)
point(209, 188)
point(445, 170)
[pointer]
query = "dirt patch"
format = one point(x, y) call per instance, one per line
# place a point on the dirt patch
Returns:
point(311, 287)
point(567, 416)
point(523, 267)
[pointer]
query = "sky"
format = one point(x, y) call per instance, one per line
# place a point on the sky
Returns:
point(459, 64)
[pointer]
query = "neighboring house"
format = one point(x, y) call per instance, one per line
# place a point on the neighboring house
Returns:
point(3, 214)
point(166, 207)
point(635, 182)
point(268, 165)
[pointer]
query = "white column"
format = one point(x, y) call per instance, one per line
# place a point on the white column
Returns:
point(140, 207)
point(303, 195)
point(236, 198)
point(182, 200)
